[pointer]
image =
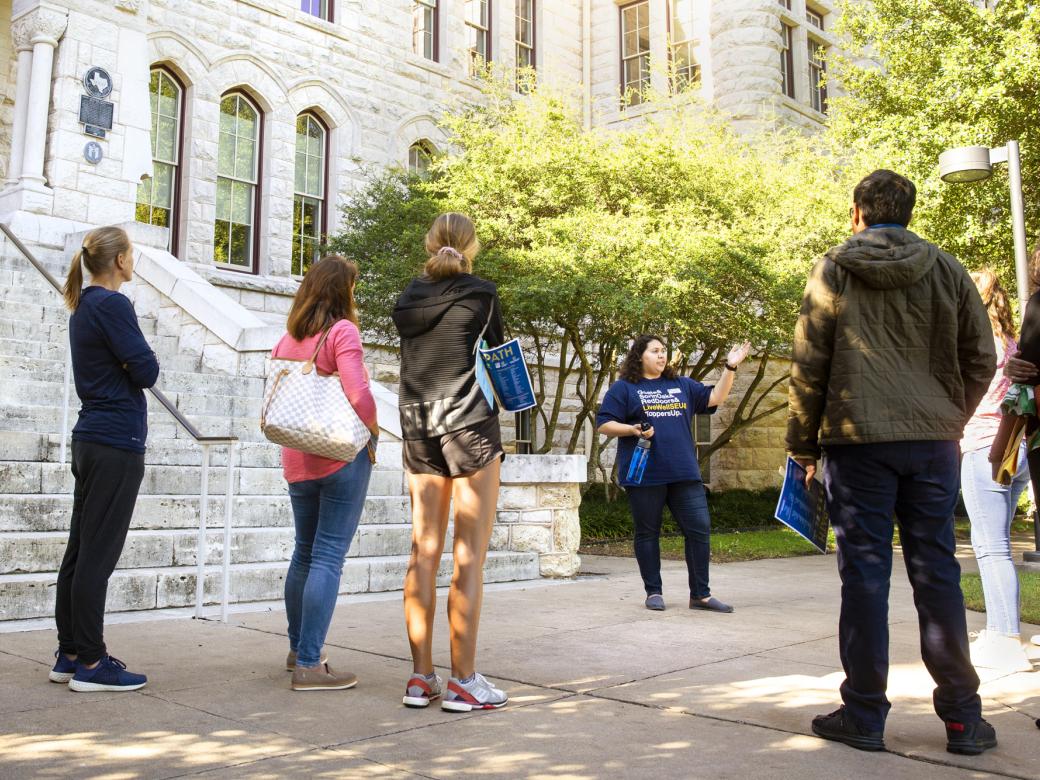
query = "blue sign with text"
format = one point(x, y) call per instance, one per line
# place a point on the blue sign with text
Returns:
point(802, 509)
point(509, 376)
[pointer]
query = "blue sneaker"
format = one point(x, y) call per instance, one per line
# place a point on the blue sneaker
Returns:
point(64, 668)
point(109, 675)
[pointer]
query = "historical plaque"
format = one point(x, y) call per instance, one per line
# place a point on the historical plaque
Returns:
point(92, 152)
point(97, 82)
point(96, 114)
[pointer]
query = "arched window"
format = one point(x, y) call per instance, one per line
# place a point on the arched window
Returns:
point(157, 196)
point(309, 199)
point(419, 156)
point(238, 183)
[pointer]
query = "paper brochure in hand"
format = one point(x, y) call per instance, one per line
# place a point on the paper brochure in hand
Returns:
point(509, 376)
point(803, 509)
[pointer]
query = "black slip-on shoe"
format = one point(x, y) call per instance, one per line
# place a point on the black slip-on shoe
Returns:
point(840, 727)
point(970, 739)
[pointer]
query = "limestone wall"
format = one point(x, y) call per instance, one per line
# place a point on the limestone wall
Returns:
point(538, 510)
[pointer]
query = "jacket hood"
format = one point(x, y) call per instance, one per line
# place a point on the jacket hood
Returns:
point(424, 302)
point(886, 258)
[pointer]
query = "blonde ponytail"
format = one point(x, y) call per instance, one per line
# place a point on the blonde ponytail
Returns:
point(74, 282)
point(452, 244)
point(98, 253)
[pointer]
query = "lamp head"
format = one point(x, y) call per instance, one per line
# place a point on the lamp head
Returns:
point(965, 164)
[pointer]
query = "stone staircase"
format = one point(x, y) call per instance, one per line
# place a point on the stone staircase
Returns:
point(158, 567)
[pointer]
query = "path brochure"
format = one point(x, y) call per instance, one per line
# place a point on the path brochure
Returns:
point(508, 372)
point(803, 509)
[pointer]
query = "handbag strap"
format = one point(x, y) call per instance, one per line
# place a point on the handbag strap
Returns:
point(321, 343)
point(483, 330)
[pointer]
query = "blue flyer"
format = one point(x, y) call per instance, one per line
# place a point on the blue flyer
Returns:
point(802, 509)
point(509, 375)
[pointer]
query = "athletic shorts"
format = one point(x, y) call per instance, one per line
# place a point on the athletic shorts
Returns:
point(456, 454)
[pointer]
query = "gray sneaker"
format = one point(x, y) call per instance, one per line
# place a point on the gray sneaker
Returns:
point(420, 690)
point(477, 694)
point(655, 601)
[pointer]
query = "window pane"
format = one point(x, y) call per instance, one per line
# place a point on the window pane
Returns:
point(300, 183)
point(221, 241)
point(226, 155)
point(244, 155)
point(162, 189)
point(241, 203)
point(240, 245)
point(166, 139)
point(144, 195)
point(228, 106)
point(223, 199)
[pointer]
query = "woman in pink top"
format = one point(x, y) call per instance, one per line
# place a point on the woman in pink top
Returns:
point(327, 495)
point(991, 506)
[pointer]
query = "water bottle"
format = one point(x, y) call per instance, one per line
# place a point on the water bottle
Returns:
point(637, 466)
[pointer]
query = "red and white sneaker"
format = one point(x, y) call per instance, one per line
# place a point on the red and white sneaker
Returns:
point(420, 691)
point(476, 694)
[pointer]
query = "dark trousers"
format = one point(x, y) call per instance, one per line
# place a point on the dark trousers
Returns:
point(689, 506)
point(917, 481)
point(107, 481)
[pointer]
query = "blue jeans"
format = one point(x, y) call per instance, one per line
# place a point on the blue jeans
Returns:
point(326, 512)
point(916, 481)
point(689, 505)
point(991, 508)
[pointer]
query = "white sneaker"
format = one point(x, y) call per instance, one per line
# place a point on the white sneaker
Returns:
point(477, 694)
point(1000, 652)
point(1035, 639)
point(419, 691)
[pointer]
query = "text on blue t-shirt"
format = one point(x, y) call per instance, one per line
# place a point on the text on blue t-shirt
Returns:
point(669, 405)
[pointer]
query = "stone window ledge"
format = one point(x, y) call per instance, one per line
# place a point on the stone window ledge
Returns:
point(275, 285)
point(804, 110)
point(437, 68)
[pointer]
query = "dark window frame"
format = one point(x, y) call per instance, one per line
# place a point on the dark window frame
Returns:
point(787, 85)
point(488, 37)
point(330, 12)
point(621, 50)
point(534, 36)
point(436, 51)
point(254, 268)
point(175, 200)
point(326, 179)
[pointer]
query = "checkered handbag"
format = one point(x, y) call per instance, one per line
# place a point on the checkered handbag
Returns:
point(308, 411)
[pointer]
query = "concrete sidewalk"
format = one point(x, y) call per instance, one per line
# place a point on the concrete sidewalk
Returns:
point(599, 687)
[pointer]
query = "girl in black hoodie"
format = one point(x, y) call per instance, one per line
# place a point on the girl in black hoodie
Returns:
point(452, 450)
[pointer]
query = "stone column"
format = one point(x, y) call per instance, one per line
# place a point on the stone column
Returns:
point(745, 53)
point(47, 29)
point(20, 32)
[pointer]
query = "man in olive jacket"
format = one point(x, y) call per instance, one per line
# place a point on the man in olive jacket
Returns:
point(892, 353)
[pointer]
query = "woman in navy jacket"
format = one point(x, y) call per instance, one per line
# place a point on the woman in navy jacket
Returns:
point(112, 365)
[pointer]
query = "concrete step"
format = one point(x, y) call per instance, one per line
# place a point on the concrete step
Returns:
point(33, 552)
point(33, 477)
point(25, 596)
point(33, 446)
point(52, 513)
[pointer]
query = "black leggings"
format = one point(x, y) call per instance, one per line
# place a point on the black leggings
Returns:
point(107, 481)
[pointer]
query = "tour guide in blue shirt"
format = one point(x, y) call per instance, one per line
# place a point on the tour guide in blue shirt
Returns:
point(650, 395)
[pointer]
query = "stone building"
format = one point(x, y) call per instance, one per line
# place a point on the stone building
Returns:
point(227, 136)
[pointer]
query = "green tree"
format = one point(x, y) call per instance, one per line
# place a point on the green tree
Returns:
point(945, 73)
point(676, 225)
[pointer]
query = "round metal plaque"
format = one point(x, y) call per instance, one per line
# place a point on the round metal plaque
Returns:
point(97, 82)
point(92, 152)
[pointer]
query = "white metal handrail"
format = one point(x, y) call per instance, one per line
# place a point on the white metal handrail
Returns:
point(205, 442)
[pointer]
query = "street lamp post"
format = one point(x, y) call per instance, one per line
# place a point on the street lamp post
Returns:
point(975, 163)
